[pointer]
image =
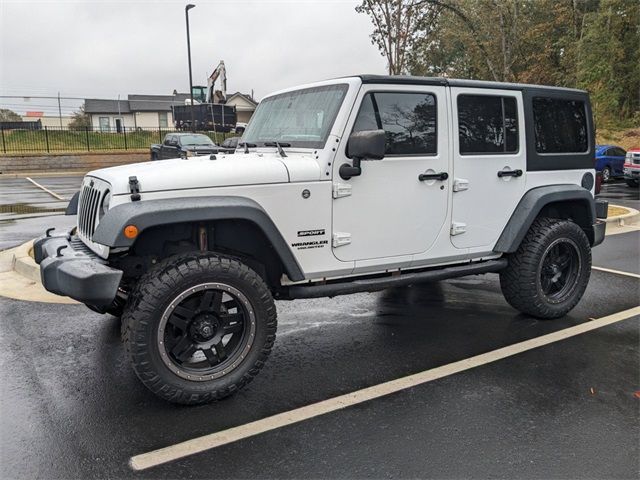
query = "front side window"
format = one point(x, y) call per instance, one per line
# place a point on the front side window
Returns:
point(487, 124)
point(302, 118)
point(408, 120)
point(560, 125)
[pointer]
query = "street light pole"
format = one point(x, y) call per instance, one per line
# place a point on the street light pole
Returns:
point(186, 14)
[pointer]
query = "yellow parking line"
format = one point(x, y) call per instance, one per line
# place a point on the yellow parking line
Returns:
point(617, 272)
point(207, 442)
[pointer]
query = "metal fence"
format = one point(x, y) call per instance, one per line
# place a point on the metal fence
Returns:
point(71, 140)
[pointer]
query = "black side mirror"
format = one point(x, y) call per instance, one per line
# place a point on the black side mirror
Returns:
point(365, 145)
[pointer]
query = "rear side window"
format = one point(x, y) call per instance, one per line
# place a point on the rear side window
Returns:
point(487, 124)
point(560, 125)
point(408, 120)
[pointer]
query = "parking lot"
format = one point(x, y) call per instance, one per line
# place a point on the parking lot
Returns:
point(71, 407)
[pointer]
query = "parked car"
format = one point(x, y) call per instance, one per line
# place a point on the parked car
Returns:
point(610, 161)
point(632, 167)
point(183, 145)
point(229, 145)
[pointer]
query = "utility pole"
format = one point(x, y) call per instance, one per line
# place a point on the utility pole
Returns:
point(186, 13)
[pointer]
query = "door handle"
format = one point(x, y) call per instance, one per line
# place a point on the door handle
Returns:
point(509, 173)
point(433, 176)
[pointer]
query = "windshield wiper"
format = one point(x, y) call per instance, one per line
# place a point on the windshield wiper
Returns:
point(279, 146)
point(246, 146)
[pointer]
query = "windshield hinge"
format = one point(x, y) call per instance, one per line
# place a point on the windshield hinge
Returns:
point(341, 190)
point(134, 188)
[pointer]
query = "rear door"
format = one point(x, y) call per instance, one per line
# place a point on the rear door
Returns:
point(489, 163)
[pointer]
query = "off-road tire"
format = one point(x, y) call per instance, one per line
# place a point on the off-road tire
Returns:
point(154, 293)
point(520, 280)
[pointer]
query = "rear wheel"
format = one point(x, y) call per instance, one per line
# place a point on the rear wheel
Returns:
point(199, 327)
point(606, 174)
point(548, 274)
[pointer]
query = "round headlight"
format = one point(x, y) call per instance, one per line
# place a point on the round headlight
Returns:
point(104, 206)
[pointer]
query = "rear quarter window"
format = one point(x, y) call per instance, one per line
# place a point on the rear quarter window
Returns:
point(560, 125)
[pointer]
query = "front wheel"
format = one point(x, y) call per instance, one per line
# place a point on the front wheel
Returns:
point(548, 274)
point(199, 327)
point(606, 174)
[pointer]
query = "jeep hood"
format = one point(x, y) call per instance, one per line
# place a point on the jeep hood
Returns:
point(197, 172)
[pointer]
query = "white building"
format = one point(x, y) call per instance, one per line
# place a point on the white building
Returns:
point(245, 106)
point(138, 111)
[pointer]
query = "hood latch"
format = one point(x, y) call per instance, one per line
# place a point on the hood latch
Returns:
point(134, 188)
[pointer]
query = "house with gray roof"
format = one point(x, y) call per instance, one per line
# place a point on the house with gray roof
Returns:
point(138, 111)
point(245, 105)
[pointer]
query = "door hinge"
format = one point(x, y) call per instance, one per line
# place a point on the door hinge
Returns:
point(340, 238)
point(460, 184)
point(341, 190)
point(458, 227)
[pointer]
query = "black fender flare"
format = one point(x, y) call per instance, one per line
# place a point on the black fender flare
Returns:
point(72, 207)
point(151, 213)
point(532, 203)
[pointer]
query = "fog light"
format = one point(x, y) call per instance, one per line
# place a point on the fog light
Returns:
point(131, 231)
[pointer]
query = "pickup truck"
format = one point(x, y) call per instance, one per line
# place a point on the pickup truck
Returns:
point(183, 145)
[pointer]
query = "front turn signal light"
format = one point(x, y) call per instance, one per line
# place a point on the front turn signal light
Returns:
point(131, 231)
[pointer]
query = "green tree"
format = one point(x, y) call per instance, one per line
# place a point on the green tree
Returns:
point(397, 26)
point(80, 120)
point(608, 59)
point(7, 115)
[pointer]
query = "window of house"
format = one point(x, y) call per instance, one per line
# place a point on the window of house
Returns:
point(560, 125)
point(163, 121)
point(104, 124)
point(408, 120)
point(487, 124)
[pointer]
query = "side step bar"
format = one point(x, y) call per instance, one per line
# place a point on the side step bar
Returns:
point(380, 283)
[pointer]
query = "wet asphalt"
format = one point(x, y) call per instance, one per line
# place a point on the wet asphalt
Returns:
point(71, 407)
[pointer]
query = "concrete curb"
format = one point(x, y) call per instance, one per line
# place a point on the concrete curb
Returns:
point(630, 218)
point(20, 277)
point(70, 173)
point(19, 259)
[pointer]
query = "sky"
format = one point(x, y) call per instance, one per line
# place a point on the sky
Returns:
point(102, 49)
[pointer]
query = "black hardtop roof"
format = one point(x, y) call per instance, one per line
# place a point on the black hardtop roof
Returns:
point(454, 82)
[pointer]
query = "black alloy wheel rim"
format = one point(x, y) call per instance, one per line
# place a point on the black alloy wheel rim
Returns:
point(206, 331)
point(559, 270)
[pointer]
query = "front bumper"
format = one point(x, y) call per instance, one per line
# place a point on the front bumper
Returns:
point(632, 173)
point(599, 230)
point(69, 268)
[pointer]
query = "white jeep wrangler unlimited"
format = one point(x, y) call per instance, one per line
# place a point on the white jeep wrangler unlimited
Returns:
point(349, 185)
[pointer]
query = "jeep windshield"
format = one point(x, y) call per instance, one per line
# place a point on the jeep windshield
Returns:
point(195, 140)
point(302, 118)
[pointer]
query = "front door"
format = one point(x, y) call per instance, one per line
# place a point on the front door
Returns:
point(392, 209)
point(489, 164)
